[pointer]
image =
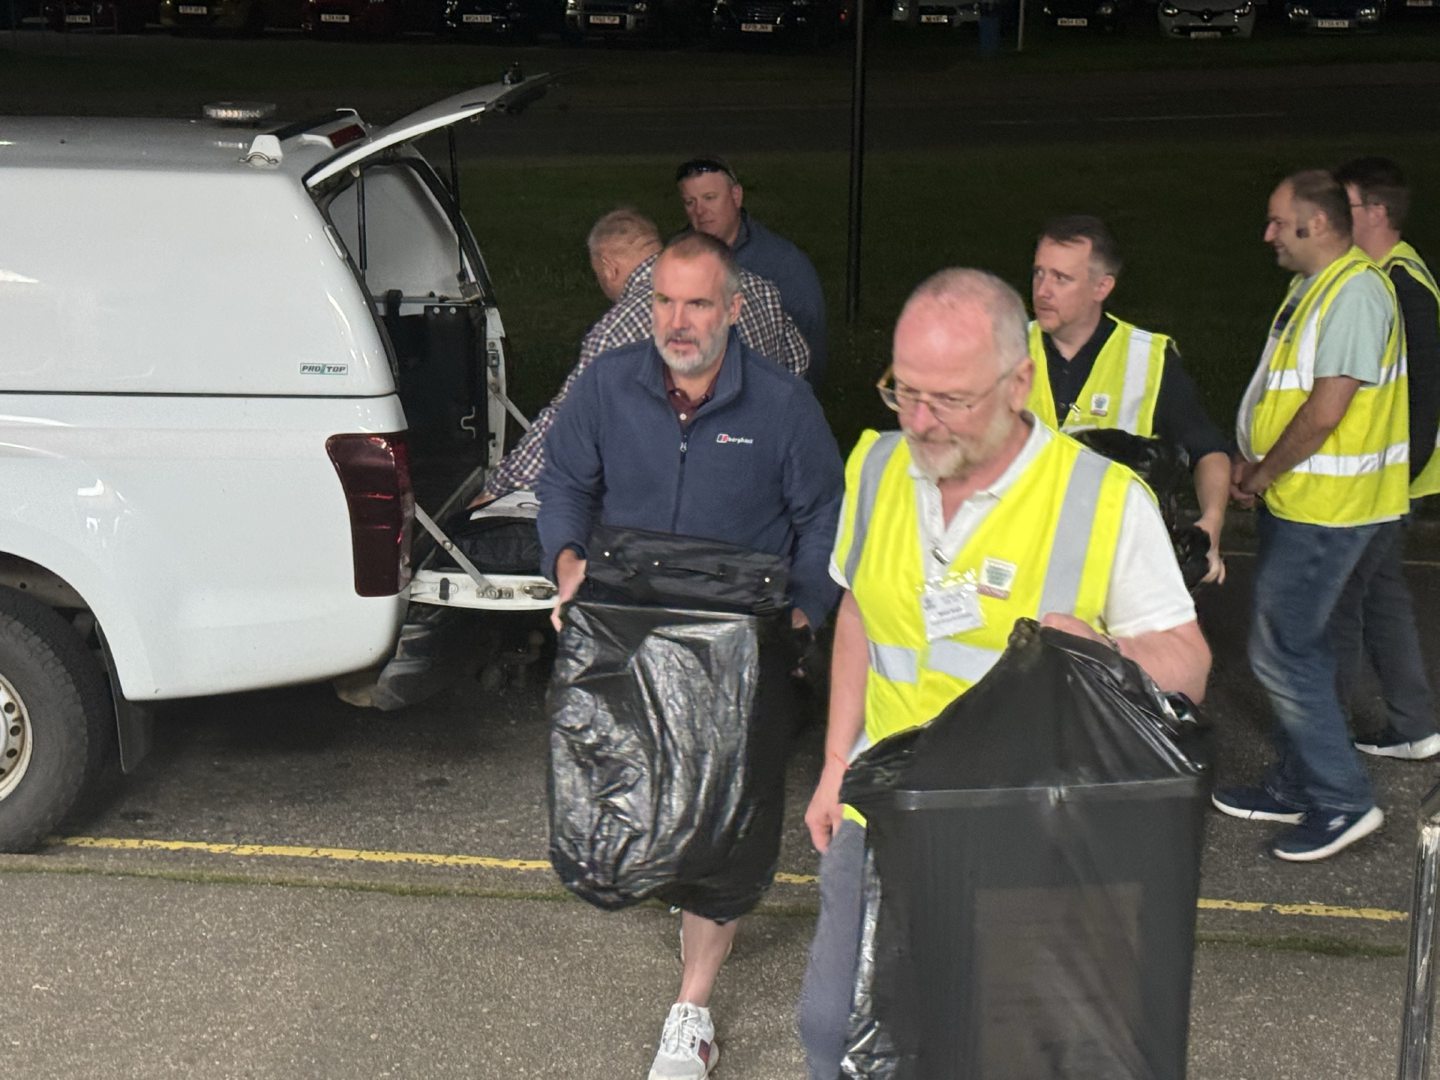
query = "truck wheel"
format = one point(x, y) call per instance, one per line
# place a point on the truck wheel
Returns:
point(53, 713)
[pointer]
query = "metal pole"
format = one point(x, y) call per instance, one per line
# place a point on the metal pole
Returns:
point(1020, 40)
point(1420, 983)
point(857, 165)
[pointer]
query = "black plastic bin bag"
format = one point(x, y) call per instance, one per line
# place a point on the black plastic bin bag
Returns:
point(669, 732)
point(1166, 471)
point(1036, 850)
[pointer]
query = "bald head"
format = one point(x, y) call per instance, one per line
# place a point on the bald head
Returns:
point(619, 242)
point(959, 359)
point(973, 306)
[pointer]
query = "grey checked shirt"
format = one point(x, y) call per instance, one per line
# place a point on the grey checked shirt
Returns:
point(762, 325)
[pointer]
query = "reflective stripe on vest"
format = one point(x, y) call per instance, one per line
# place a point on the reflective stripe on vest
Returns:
point(874, 468)
point(1125, 377)
point(1359, 474)
point(1405, 256)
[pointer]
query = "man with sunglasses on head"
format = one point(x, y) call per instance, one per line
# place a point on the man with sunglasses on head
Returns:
point(971, 516)
point(1375, 613)
point(714, 203)
point(1096, 371)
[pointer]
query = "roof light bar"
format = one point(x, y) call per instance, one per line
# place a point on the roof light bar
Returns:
point(239, 112)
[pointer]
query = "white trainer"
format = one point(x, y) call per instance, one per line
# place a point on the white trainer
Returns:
point(687, 1045)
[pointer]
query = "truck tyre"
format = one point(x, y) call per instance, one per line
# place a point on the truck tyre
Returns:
point(54, 716)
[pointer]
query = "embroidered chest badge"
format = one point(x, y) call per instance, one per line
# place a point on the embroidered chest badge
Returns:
point(996, 578)
point(1099, 404)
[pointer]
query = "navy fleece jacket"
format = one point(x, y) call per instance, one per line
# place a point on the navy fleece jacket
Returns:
point(758, 467)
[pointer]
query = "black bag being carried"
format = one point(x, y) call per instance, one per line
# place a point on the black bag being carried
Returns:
point(635, 566)
point(1036, 860)
point(1167, 473)
point(668, 726)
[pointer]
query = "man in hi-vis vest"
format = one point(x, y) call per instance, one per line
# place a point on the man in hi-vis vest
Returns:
point(1093, 370)
point(1376, 614)
point(1324, 444)
point(969, 517)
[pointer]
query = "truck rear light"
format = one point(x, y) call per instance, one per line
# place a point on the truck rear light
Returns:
point(375, 473)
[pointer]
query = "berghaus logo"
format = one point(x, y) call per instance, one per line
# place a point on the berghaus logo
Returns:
point(734, 439)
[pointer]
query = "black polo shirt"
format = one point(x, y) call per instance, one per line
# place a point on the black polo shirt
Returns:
point(1422, 360)
point(1180, 418)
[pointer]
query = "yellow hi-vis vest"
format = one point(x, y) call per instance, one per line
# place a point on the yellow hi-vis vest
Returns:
point(1402, 254)
point(1048, 545)
point(1361, 473)
point(1122, 388)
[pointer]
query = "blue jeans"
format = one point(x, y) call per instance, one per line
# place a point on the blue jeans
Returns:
point(1376, 618)
point(825, 996)
point(1299, 576)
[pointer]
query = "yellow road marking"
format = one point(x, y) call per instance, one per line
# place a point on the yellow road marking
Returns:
point(489, 862)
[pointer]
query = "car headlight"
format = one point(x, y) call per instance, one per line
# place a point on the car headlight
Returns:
point(1169, 10)
point(1105, 9)
point(1298, 12)
point(1368, 13)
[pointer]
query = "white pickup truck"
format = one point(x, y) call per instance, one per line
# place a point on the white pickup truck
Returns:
point(229, 348)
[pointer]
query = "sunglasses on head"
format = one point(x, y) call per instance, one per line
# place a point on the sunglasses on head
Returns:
point(701, 166)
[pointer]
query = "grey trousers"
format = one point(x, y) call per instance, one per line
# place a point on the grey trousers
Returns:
point(825, 996)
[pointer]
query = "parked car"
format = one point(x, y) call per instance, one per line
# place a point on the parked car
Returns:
point(1335, 16)
point(524, 20)
point(229, 16)
point(234, 350)
point(122, 16)
point(370, 18)
point(1084, 14)
point(678, 19)
point(815, 22)
point(1200, 19)
point(937, 13)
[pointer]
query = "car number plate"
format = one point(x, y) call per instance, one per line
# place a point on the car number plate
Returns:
point(604, 20)
point(83, 20)
point(1205, 34)
point(1333, 24)
point(334, 18)
point(480, 18)
point(193, 9)
point(942, 19)
point(1419, 3)
point(757, 28)
point(1072, 22)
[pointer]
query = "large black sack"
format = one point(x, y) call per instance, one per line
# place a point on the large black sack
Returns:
point(1030, 906)
point(670, 727)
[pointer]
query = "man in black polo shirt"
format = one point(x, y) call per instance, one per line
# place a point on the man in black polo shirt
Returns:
point(1096, 371)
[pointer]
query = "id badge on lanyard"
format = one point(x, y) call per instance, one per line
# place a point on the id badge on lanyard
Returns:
point(950, 605)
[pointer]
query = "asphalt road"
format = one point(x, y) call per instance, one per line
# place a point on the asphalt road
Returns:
point(294, 887)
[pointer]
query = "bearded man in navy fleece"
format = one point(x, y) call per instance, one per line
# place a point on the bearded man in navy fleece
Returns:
point(694, 434)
